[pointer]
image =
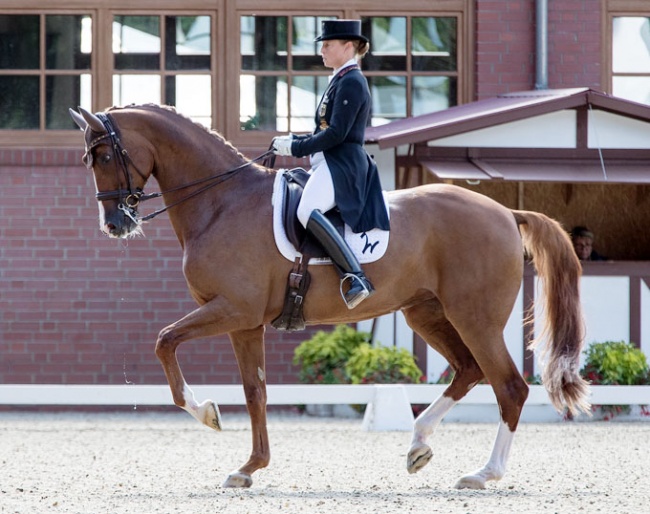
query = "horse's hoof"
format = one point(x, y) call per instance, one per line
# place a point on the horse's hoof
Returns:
point(212, 416)
point(418, 457)
point(470, 482)
point(238, 479)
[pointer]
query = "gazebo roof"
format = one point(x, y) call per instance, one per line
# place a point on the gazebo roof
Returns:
point(557, 135)
point(501, 109)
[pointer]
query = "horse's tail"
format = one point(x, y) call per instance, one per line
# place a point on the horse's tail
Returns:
point(557, 265)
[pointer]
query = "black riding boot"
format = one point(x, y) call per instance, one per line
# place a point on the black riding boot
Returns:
point(341, 254)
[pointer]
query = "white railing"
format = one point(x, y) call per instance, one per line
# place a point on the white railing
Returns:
point(294, 394)
point(388, 405)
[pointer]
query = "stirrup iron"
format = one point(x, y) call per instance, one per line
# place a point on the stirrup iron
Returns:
point(360, 296)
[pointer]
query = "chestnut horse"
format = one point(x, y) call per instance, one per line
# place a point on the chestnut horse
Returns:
point(453, 266)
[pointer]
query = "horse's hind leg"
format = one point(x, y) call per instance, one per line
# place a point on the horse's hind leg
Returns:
point(511, 392)
point(489, 349)
point(249, 350)
point(428, 320)
point(489, 352)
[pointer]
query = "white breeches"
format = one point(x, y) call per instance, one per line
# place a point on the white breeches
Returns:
point(319, 191)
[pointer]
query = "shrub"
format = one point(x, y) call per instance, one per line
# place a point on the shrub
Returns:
point(615, 363)
point(346, 356)
point(382, 365)
point(322, 358)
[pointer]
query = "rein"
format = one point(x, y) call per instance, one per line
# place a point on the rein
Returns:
point(222, 177)
point(131, 198)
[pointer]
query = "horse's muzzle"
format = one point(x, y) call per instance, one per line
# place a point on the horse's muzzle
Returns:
point(119, 222)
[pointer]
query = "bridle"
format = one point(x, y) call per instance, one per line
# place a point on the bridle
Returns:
point(130, 198)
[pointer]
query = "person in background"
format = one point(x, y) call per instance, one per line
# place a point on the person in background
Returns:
point(583, 239)
point(342, 173)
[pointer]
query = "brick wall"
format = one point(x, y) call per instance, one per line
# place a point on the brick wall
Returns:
point(505, 45)
point(78, 307)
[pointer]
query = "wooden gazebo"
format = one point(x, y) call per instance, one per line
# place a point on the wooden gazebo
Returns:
point(577, 155)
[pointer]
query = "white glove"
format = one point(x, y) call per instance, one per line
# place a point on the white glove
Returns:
point(282, 145)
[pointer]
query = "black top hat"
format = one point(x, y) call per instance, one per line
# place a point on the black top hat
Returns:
point(341, 29)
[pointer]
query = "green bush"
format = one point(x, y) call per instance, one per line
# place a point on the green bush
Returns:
point(322, 358)
point(382, 365)
point(615, 363)
point(346, 356)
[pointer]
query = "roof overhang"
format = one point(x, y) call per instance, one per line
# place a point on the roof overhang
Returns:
point(549, 170)
point(503, 109)
point(559, 135)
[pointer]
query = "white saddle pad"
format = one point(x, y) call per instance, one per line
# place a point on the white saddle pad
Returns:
point(367, 246)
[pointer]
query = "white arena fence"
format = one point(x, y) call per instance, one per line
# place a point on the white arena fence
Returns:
point(389, 405)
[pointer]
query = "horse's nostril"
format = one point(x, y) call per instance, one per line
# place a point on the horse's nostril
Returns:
point(110, 229)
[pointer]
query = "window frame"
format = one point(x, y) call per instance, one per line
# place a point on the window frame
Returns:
point(102, 61)
point(162, 71)
point(225, 55)
point(460, 74)
point(53, 137)
point(462, 10)
point(614, 9)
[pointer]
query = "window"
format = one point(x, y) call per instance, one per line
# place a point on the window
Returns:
point(282, 74)
point(631, 58)
point(412, 66)
point(46, 66)
point(174, 73)
point(45, 63)
point(244, 69)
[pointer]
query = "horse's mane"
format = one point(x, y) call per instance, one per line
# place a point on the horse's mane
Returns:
point(170, 110)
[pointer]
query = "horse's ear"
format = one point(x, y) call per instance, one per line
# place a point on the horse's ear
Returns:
point(78, 119)
point(95, 123)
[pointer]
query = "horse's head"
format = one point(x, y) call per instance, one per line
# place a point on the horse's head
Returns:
point(119, 175)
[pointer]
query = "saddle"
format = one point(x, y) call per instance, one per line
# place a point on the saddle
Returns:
point(294, 185)
point(291, 318)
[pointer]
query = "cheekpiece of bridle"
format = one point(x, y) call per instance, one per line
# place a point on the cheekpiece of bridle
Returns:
point(130, 198)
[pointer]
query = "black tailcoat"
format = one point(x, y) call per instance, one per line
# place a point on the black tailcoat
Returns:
point(341, 119)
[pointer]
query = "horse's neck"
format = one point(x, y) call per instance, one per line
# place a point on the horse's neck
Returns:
point(235, 184)
point(182, 162)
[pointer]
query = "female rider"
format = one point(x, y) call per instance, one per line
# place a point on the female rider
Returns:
point(343, 175)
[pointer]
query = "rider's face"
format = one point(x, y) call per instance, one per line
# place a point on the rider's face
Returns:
point(336, 52)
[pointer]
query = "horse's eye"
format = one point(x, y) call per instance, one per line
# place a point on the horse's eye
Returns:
point(104, 158)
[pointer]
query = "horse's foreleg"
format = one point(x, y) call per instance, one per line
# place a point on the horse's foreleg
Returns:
point(198, 323)
point(249, 350)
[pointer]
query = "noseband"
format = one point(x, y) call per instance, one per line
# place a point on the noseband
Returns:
point(130, 198)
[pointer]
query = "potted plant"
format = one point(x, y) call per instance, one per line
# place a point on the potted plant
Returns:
point(322, 358)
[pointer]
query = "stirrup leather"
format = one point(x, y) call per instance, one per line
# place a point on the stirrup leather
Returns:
point(360, 296)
